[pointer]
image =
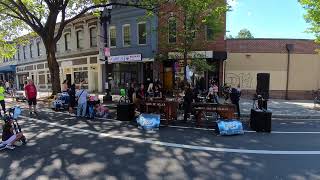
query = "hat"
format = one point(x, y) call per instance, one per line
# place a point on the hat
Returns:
point(29, 78)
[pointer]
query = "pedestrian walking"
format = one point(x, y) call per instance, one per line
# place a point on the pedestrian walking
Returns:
point(81, 96)
point(2, 102)
point(7, 84)
point(187, 101)
point(31, 95)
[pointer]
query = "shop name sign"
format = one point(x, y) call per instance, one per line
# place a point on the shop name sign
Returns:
point(125, 58)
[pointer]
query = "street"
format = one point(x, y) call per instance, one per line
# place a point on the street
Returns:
point(63, 147)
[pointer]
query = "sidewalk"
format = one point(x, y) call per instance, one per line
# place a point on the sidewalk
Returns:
point(293, 109)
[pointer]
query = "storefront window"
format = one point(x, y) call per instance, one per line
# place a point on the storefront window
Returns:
point(79, 76)
point(124, 73)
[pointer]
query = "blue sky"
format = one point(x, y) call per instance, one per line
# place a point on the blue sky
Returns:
point(268, 18)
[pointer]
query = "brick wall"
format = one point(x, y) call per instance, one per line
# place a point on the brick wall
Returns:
point(301, 46)
point(200, 43)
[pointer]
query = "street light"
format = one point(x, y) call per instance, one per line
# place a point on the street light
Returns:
point(105, 19)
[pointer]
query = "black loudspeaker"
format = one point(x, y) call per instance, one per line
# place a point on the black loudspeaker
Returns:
point(260, 120)
point(263, 83)
point(125, 111)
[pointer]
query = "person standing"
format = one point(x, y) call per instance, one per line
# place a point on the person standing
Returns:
point(187, 101)
point(82, 96)
point(65, 86)
point(72, 95)
point(7, 84)
point(235, 98)
point(31, 95)
point(2, 96)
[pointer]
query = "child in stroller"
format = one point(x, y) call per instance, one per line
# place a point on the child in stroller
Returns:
point(11, 132)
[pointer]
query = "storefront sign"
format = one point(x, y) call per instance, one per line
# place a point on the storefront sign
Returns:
point(66, 63)
point(125, 58)
point(191, 55)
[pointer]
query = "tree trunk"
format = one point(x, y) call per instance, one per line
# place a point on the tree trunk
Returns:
point(54, 70)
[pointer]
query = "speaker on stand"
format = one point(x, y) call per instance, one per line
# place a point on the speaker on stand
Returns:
point(263, 84)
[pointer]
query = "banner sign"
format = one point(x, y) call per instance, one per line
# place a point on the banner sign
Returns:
point(125, 58)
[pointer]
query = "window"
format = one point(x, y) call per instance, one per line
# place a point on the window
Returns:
point(93, 37)
point(209, 33)
point(67, 38)
point(172, 29)
point(126, 35)
point(42, 79)
point(142, 33)
point(24, 52)
point(48, 78)
point(38, 48)
point(79, 76)
point(80, 39)
point(112, 36)
point(30, 46)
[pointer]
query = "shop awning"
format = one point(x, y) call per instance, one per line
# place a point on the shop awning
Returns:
point(8, 68)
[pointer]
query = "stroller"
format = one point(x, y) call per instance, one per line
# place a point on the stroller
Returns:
point(13, 114)
point(61, 102)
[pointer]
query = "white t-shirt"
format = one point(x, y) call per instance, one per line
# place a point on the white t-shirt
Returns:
point(7, 84)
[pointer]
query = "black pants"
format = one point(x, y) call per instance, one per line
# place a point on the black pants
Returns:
point(238, 107)
point(187, 110)
point(3, 105)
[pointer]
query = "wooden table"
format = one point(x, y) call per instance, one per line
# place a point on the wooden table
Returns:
point(226, 111)
point(169, 108)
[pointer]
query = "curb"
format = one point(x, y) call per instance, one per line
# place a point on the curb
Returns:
point(286, 116)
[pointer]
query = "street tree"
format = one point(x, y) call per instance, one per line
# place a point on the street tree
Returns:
point(312, 16)
point(184, 23)
point(47, 19)
point(244, 34)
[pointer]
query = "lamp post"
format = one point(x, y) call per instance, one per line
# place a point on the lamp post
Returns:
point(105, 19)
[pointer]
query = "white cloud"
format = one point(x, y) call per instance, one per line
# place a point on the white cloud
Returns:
point(232, 3)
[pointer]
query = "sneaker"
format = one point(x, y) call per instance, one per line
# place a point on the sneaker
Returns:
point(9, 146)
point(35, 112)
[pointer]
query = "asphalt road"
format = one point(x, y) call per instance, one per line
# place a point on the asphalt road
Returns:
point(63, 147)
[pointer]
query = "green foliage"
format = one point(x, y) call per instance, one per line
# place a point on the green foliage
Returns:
point(244, 34)
point(201, 65)
point(312, 16)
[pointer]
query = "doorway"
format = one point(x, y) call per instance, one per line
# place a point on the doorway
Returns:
point(68, 78)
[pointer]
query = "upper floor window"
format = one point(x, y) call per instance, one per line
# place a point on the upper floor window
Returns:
point(172, 30)
point(142, 33)
point(58, 46)
point(126, 31)
point(38, 48)
point(30, 48)
point(80, 38)
point(67, 38)
point(112, 36)
point(93, 37)
point(209, 33)
point(24, 52)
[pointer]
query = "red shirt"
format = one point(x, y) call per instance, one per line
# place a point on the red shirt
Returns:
point(31, 91)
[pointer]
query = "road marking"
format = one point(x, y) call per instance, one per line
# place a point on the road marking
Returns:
point(203, 129)
point(175, 145)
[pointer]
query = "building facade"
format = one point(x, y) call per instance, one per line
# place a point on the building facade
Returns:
point(77, 54)
point(132, 41)
point(294, 70)
point(206, 44)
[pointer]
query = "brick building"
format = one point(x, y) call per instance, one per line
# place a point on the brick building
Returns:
point(209, 45)
point(293, 70)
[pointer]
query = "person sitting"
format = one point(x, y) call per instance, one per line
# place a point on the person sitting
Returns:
point(101, 111)
point(8, 136)
point(141, 93)
point(150, 91)
point(213, 94)
point(157, 92)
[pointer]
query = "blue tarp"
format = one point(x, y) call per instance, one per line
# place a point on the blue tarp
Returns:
point(8, 68)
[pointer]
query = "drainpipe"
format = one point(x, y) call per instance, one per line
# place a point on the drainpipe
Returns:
point(289, 48)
